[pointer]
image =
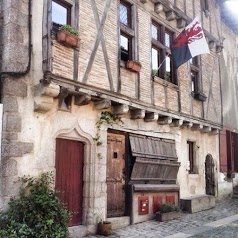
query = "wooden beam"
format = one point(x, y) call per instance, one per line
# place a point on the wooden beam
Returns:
point(98, 39)
point(164, 120)
point(143, 1)
point(120, 109)
point(151, 116)
point(102, 104)
point(137, 114)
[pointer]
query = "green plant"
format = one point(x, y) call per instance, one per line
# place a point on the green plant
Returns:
point(36, 213)
point(165, 208)
point(105, 117)
point(69, 29)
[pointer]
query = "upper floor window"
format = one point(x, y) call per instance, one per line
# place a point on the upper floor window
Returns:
point(205, 7)
point(162, 64)
point(195, 75)
point(61, 13)
point(126, 31)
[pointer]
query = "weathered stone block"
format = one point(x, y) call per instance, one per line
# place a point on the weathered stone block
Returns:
point(9, 167)
point(10, 104)
point(16, 149)
point(8, 136)
point(197, 203)
point(13, 123)
point(14, 87)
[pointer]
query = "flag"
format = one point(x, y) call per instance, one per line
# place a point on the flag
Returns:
point(189, 43)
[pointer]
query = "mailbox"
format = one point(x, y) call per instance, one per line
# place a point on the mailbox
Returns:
point(143, 205)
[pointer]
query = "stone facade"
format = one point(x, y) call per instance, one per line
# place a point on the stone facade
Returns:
point(32, 119)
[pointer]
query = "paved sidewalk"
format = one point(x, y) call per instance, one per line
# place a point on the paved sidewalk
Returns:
point(219, 222)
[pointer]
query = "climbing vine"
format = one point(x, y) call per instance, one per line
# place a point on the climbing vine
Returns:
point(108, 118)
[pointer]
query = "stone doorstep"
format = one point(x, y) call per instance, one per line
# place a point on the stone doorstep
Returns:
point(119, 222)
point(197, 203)
point(78, 231)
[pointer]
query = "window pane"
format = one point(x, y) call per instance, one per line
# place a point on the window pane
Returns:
point(167, 75)
point(154, 32)
point(59, 13)
point(155, 61)
point(124, 14)
point(167, 39)
point(125, 45)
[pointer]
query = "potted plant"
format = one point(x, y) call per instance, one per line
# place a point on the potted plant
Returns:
point(68, 36)
point(105, 228)
point(168, 212)
point(133, 65)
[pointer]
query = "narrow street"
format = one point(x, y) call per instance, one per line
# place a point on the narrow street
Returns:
point(221, 221)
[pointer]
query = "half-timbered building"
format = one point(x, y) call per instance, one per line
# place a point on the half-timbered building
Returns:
point(57, 99)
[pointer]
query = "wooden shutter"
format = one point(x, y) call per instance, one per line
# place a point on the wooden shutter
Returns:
point(223, 151)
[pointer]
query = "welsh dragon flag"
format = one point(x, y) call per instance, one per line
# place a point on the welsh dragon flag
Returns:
point(189, 43)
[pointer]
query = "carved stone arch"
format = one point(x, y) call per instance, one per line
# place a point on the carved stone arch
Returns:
point(77, 134)
point(210, 175)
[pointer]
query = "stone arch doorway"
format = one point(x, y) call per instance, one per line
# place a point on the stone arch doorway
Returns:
point(209, 175)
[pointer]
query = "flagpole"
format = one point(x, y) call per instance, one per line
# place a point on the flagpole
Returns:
point(160, 65)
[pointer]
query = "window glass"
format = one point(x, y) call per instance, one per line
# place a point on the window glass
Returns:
point(167, 39)
point(125, 47)
point(154, 32)
point(124, 14)
point(167, 75)
point(155, 59)
point(59, 13)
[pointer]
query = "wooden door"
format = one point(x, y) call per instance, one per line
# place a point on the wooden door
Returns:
point(115, 175)
point(209, 176)
point(69, 177)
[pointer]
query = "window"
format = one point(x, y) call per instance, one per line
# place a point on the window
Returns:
point(126, 31)
point(205, 7)
point(192, 157)
point(61, 13)
point(162, 65)
point(195, 76)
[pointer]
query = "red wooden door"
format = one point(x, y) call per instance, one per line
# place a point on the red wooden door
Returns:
point(69, 177)
point(115, 175)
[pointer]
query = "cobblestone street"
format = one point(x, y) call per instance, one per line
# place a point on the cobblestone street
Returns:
point(221, 221)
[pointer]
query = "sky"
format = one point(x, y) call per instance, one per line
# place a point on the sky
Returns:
point(233, 6)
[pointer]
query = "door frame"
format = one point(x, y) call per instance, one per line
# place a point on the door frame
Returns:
point(77, 134)
point(127, 158)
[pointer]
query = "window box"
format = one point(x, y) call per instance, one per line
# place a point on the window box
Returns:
point(134, 66)
point(68, 39)
point(167, 216)
point(199, 96)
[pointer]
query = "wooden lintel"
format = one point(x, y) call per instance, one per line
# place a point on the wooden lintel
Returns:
point(164, 120)
point(102, 104)
point(83, 99)
point(197, 127)
point(214, 131)
point(137, 114)
point(158, 8)
point(206, 129)
point(177, 122)
point(151, 116)
point(143, 1)
point(181, 23)
point(170, 16)
point(120, 109)
point(64, 92)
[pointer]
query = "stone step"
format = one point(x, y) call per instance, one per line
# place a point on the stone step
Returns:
point(119, 222)
point(235, 196)
point(235, 190)
point(197, 203)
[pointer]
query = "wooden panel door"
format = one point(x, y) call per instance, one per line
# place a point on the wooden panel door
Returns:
point(69, 177)
point(209, 175)
point(115, 175)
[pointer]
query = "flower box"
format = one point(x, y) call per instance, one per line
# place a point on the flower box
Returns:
point(67, 39)
point(168, 216)
point(133, 66)
point(200, 96)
